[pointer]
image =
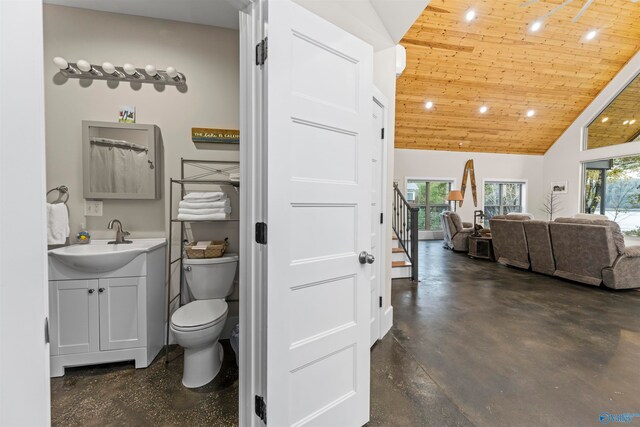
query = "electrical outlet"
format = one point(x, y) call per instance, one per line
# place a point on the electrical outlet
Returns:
point(92, 207)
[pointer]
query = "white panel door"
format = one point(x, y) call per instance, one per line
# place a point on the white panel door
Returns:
point(122, 313)
point(319, 91)
point(73, 312)
point(376, 212)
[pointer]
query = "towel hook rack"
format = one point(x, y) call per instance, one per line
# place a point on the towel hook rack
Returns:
point(62, 190)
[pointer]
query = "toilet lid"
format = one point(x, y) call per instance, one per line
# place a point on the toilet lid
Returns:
point(199, 313)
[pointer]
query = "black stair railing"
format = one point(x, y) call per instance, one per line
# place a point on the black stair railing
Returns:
point(405, 225)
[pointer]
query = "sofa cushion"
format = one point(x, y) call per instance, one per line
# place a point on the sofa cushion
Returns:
point(582, 248)
point(539, 243)
point(618, 237)
point(509, 241)
point(457, 222)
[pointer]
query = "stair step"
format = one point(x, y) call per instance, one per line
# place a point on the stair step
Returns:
point(400, 264)
point(394, 237)
point(397, 250)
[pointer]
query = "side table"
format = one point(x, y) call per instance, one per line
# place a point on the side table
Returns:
point(481, 247)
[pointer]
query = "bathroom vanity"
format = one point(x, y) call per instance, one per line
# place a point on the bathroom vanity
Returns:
point(106, 303)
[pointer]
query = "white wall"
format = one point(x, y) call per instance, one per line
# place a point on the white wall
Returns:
point(562, 162)
point(488, 166)
point(381, 23)
point(209, 58)
point(24, 356)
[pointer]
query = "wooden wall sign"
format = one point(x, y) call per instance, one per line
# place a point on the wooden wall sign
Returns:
point(227, 136)
point(469, 173)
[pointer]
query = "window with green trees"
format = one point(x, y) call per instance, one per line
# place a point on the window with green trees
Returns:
point(430, 197)
point(612, 188)
point(501, 198)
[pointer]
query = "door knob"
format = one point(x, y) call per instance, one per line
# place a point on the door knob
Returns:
point(366, 258)
point(187, 268)
point(91, 291)
point(101, 290)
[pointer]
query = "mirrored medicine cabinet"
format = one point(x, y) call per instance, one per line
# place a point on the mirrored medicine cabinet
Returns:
point(121, 160)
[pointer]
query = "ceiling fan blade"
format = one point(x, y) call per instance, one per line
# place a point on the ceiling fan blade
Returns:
point(584, 8)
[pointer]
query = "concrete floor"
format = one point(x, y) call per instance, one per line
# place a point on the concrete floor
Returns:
point(474, 343)
point(514, 348)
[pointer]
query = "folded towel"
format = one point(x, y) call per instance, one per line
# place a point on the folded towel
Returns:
point(204, 211)
point(235, 177)
point(188, 217)
point(205, 205)
point(201, 244)
point(57, 223)
point(212, 195)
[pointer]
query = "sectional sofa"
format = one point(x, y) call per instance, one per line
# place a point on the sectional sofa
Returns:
point(590, 251)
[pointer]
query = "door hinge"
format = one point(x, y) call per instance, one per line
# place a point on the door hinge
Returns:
point(261, 52)
point(46, 330)
point(381, 218)
point(261, 233)
point(380, 302)
point(382, 133)
point(261, 409)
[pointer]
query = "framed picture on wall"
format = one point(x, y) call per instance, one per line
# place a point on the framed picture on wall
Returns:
point(559, 187)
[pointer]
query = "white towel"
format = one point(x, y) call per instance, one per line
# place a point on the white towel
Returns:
point(188, 217)
point(57, 223)
point(235, 177)
point(204, 211)
point(211, 196)
point(205, 205)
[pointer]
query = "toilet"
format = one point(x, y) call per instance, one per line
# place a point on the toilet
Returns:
point(197, 325)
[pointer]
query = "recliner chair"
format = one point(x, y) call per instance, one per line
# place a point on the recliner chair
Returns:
point(456, 232)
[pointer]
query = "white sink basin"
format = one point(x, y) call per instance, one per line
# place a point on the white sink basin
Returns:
point(99, 256)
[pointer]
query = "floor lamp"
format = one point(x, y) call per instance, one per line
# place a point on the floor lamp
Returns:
point(455, 196)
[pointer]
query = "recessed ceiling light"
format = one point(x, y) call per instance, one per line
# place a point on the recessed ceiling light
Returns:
point(536, 26)
point(428, 105)
point(483, 109)
point(605, 119)
point(632, 121)
point(531, 113)
point(470, 15)
point(591, 35)
point(626, 122)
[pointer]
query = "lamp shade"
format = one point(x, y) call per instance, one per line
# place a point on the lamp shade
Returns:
point(455, 195)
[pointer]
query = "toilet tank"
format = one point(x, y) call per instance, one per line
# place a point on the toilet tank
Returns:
point(210, 278)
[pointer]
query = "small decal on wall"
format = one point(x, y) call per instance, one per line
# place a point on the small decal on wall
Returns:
point(228, 136)
point(127, 114)
point(559, 187)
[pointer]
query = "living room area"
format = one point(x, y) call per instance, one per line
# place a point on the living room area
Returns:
point(517, 163)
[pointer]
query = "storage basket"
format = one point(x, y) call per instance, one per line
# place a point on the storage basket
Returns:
point(215, 250)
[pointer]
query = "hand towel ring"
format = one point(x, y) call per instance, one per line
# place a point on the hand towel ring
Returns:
point(62, 191)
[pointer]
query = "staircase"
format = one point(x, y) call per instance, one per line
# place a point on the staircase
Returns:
point(404, 260)
point(400, 262)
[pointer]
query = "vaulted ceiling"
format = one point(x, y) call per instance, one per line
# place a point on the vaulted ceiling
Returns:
point(496, 60)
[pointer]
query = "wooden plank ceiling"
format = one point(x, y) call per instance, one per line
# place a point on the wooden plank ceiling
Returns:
point(495, 60)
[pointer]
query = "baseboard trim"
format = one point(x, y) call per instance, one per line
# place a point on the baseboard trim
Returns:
point(386, 322)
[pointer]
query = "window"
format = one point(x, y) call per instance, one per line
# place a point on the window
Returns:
point(612, 187)
point(431, 197)
point(501, 198)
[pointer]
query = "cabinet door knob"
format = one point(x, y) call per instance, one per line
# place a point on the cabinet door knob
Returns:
point(101, 290)
point(91, 291)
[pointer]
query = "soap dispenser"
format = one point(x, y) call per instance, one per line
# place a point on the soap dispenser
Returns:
point(83, 237)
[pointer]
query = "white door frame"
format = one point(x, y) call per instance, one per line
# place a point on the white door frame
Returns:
point(252, 360)
point(381, 100)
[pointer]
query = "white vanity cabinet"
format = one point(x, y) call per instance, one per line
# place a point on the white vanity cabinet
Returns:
point(110, 317)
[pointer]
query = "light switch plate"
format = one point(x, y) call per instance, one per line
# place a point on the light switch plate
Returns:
point(92, 207)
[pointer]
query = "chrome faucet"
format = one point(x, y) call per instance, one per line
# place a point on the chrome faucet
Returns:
point(120, 233)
